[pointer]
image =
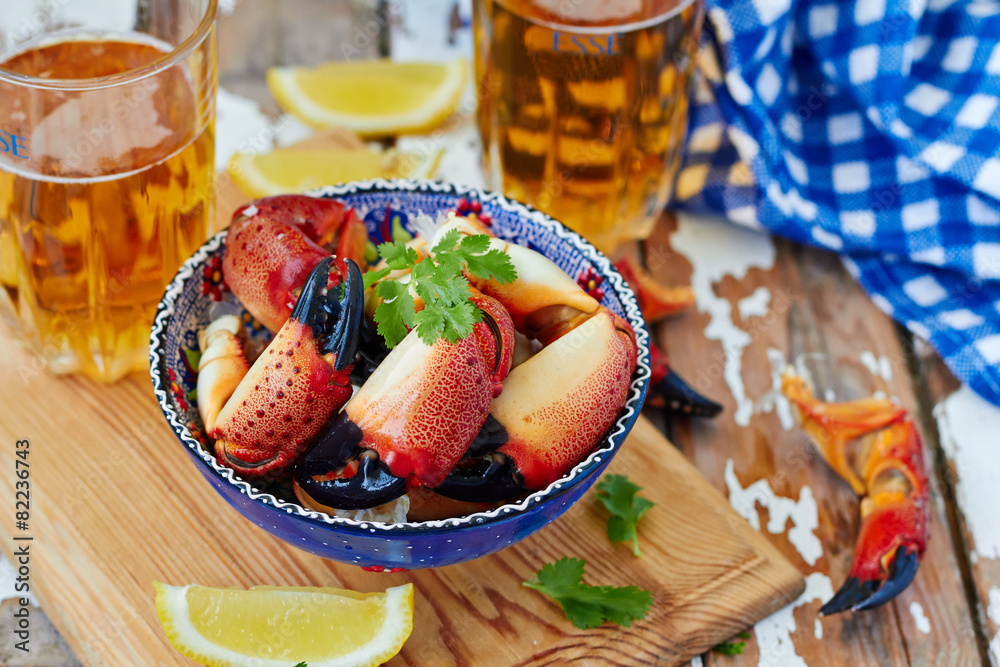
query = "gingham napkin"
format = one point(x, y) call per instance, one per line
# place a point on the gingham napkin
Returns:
point(870, 128)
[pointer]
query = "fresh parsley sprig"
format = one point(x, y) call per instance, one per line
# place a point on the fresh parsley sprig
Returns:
point(438, 280)
point(618, 494)
point(589, 606)
point(733, 648)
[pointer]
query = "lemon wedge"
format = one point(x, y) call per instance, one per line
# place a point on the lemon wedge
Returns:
point(297, 170)
point(281, 627)
point(374, 98)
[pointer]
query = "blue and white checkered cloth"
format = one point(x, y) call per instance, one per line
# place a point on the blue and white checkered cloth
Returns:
point(870, 128)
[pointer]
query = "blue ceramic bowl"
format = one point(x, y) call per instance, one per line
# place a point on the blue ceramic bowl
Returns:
point(173, 360)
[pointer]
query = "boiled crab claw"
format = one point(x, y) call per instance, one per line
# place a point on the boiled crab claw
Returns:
point(872, 445)
point(557, 405)
point(667, 390)
point(299, 380)
point(274, 243)
point(412, 420)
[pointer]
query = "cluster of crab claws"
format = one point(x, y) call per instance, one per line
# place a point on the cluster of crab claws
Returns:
point(487, 418)
point(493, 415)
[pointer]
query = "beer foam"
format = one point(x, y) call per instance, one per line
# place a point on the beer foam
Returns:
point(591, 10)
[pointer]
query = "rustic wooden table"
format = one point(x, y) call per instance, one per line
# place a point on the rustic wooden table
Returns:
point(761, 303)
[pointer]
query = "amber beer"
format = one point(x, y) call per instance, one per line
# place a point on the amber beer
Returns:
point(104, 192)
point(583, 106)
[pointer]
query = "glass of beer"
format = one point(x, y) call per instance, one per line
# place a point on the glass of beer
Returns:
point(107, 113)
point(583, 106)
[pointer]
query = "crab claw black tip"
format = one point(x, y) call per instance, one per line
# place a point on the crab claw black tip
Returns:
point(312, 307)
point(678, 396)
point(337, 325)
point(347, 330)
point(853, 591)
point(858, 596)
point(901, 572)
point(488, 478)
point(336, 444)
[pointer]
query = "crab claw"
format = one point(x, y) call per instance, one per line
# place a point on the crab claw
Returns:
point(667, 390)
point(414, 418)
point(554, 408)
point(299, 380)
point(875, 448)
point(275, 242)
point(656, 301)
point(558, 404)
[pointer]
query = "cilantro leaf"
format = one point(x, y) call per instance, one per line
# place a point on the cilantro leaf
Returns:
point(589, 606)
point(372, 276)
point(732, 648)
point(438, 279)
point(447, 242)
point(434, 283)
point(302, 664)
point(618, 494)
point(452, 323)
point(397, 255)
point(494, 264)
point(394, 315)
point(475, 244)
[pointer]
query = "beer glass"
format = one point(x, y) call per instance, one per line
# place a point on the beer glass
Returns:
point(583, 106)
point(107, 113)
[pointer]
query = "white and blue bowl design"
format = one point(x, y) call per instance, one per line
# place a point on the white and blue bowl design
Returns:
point(379, 546)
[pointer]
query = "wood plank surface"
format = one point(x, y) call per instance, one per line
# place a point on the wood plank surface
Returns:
point(816, 314)
point(966, 427)
point(115, 504)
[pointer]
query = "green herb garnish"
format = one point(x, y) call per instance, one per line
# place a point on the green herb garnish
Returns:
point(439, 282)
point(618, 494)
point(732, 648)
point(589, 606)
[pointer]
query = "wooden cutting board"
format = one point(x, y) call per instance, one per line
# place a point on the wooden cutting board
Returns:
point(116, 504)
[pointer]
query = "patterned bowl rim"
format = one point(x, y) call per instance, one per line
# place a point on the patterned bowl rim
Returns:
point(611, 443)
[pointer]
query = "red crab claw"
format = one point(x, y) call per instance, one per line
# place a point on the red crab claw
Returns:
point(872, 445)
point(299, 380)
point(667, 390)
point(557, 405)
point(655, 300)
point(274, 243)
point(412, 420)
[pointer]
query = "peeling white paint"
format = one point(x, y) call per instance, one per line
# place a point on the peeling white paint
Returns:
point(880, 366)
point(754, 305)
point(774, 400)
point(968, 425)
point(774, 633)
point(817, 628)
point(697, 661)
point(803, 513)
point(993, 611)
point(717, 248)
point(920, 618)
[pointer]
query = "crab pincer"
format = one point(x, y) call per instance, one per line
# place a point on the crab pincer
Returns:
point(557, 405)
point(275, 242)
point(872, 445)
point(300, 379)
point(412, 420)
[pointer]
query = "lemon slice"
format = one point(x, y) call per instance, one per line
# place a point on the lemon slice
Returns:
point(374, 98)
point(280, 627)
point(297, 170)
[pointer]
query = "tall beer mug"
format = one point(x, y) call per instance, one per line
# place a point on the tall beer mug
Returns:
point(583, 106)
point(106, 171)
